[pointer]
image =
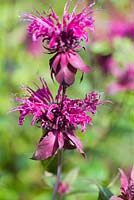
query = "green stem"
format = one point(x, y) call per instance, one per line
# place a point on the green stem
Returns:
point(60, 197)
point(59, 168)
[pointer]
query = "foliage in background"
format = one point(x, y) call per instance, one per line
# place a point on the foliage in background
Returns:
point(108, 144)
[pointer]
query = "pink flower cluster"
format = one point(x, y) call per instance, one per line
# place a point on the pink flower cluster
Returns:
point(125, 80)
point(64, 35)
point(64, 66)
point(58, 117)
point(62, 38)
point(127, 187)
point(122, 28)
point(63, 187)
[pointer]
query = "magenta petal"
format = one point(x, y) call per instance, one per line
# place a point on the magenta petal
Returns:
point(76, 61)
point(124, 181)
point(50, 114)
point(132, 175)
point(54, 61)
point(76, 141)
point(47, 147)
point(65, 74)
point(60, 140)
point(52, 41)
point(115, 197)
point(64, 66)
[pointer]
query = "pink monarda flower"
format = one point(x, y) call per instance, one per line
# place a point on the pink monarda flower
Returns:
point(107, 64)
point(63, 187)
point(59, 118)
point(121, 24)
point(127, 187)
point(63, 38)
point(122, 28)
point(125, 80)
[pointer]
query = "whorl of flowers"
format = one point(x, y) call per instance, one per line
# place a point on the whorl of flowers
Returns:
point(59, 118)
point(63, 38)
point(64, 35)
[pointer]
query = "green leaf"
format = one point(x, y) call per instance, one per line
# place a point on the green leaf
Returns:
point(104, 193)
point(71, 176)
point(46, 162)
point(49, 179)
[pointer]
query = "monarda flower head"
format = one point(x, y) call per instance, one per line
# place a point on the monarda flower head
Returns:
point(127, 186)
point(122, 28)
point(125, 80)
point(63, 38)
point(59, 118)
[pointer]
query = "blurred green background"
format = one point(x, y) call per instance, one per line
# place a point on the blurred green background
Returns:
point(108, 143)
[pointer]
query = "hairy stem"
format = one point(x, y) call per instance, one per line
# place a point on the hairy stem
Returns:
point(59, 168)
